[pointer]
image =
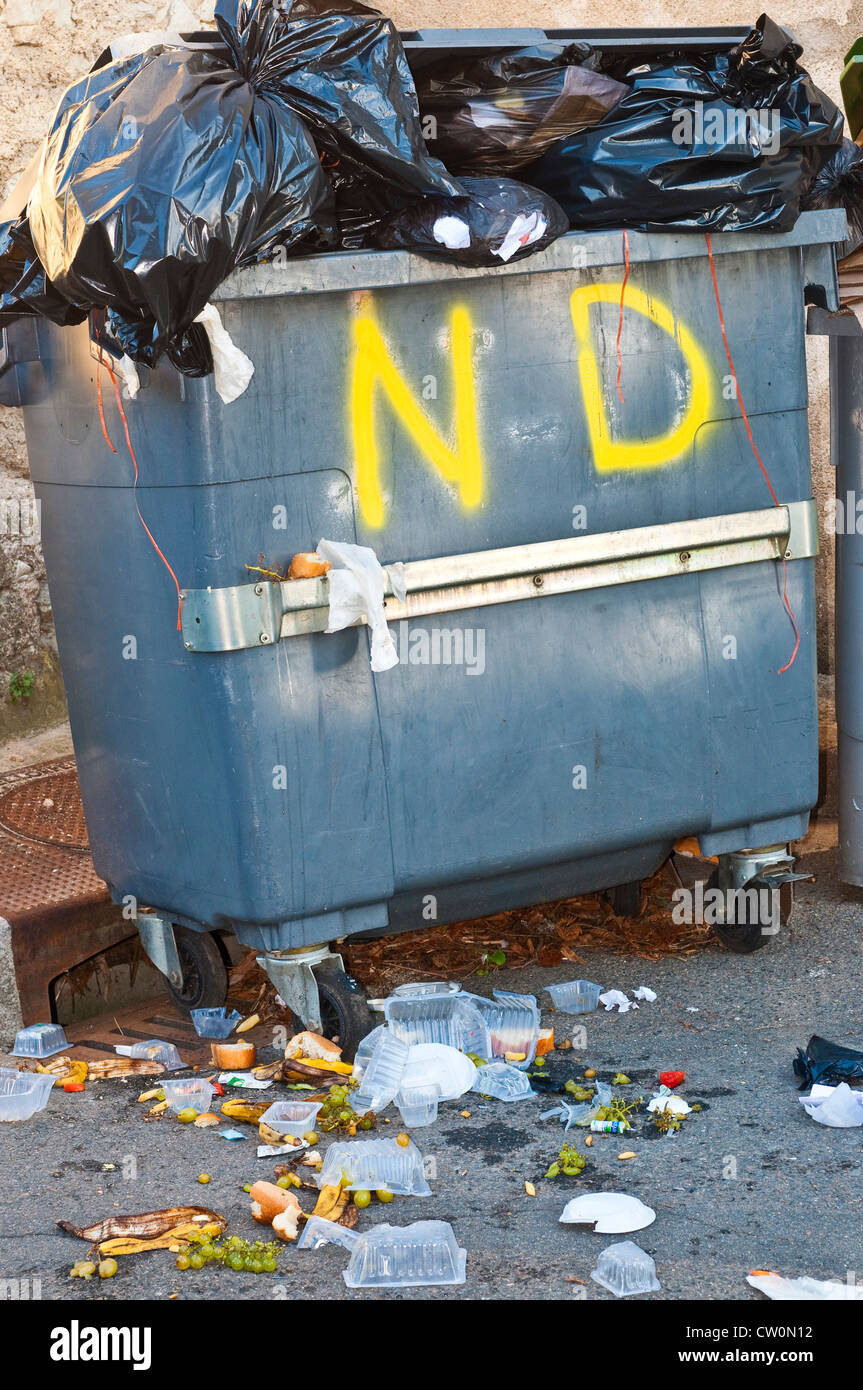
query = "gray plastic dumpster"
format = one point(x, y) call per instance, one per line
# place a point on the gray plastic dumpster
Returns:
point(846, 397)
point(594, 621)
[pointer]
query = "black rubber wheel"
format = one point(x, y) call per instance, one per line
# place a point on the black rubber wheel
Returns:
point(205, 974)
point(625, 899)
point(345, 1014)
point(753, 933)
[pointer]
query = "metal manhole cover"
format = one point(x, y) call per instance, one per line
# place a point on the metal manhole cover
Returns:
point(46, 809)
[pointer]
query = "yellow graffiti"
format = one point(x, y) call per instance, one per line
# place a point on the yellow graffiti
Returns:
point(459, 463)
point(608, 453)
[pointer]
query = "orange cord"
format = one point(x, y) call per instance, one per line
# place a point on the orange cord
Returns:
point(620, 320)
point(135, 466)
point(776, 502)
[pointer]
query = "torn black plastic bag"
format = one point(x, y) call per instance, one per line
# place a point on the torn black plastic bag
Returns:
point(729, 141)
point(826, 1063)
point(342, 68)
point(163, 172)
point(491, 115)
point(498, 220)
point(840, 185)
point(25, 290)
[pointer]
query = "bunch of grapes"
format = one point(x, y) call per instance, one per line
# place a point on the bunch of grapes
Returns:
point(337, 1113)
point(251, 1257)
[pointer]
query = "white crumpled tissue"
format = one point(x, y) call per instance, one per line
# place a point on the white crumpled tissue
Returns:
point(357, 584)
point(644, 992)
point(613, 997)
point(232, 369)
point(837, 1106)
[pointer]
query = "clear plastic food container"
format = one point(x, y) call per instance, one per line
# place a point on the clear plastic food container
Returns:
point(451, 1019)
point(189, 1091)
point(375, 1164)
point(294, 1117)
point(22, 1093)
point(502, 1082)
point(214, 1023)
point(575, 996)
point(39, 1040)
point(513, 1023)
point(318, 1231)
point(153, 1050)
point(382, 1075)
point(624, 1269)
point(425, 987)
point(403, 1257)
point(418, 1105)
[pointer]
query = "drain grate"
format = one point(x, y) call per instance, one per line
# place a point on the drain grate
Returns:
point(46, 808)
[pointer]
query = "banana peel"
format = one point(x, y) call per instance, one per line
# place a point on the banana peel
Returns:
point(272, 1136)
point(149, 1230)
point(340, 1068)
point(332, 1201)
point(75, 1072)
point(244, 1110)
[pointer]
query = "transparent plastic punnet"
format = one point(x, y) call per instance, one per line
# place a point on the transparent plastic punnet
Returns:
point(153, 1050)
point(375, 1164)
point(418, 1105)
point(423, 988)
point(513, 1024)
point(502, 1082)
point(318, 1231)
point(624, 1269)
point(393, 1257)
point(214, 1023)
point(189, 1091)
point(22, 1093)
point(382, 1075)
point(294, 1117)
point(451, 1019)
point(39, 1040)
point(575, 996)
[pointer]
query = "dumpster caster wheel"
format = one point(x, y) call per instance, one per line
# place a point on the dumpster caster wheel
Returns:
point(205, 975)
point(345, 1015)
point(625, 899)
point(758, 925)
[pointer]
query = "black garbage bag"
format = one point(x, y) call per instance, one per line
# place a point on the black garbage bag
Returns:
point(495, 221)
point(839, 184)
point(341, 67)
point(25, 289)
point(827, 1063)
point(726, 142)
point(491, 115)
point(163, 172)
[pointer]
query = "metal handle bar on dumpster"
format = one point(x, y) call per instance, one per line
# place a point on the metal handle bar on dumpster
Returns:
point(253, 615)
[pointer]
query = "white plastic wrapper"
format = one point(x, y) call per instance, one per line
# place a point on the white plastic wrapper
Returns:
point(232, 369)
point(357, 584)
point(453, 232)
point(804, 1289)
point(836, 1106)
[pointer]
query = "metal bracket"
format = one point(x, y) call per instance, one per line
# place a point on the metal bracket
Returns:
point(293, 975)
point(158, 940)
point(254, 615)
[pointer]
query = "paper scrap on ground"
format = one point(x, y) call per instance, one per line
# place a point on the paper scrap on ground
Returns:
point(644, 992)
point(231, 1134)
point(357, 584)
point(232, 369)
point(837, 1106)
point(666, 1102)
point(616, 997)
point(243, 1079)
point(804, 1289)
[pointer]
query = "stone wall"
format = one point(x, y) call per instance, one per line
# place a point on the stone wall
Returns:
point(45, 44)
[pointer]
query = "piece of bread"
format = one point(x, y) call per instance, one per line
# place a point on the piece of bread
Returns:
point(233, 1056)
point(307, 565)
point(269, 1200)
point(313, 1045)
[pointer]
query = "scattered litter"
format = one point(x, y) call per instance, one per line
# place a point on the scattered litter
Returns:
point(244, 1081)
point(433, 1064)
point(616, 998)
point(625, 1269)
point(294, 1117)
point(383, 1073)
point(827, 1062)
point(423, 1254)
point(513, 1021)
point(418, 1105)
point(233, 1057)
point(671, 1079)
point(569, 1162)
point(214, 1023)
point(318, 1231)
point(251, 1022)
point(39, 1040)
point(425, 987)
point(150, 1230)
point(803, 1289)
point(375, 1164)
point(451, 1019)
point(644, 992)
point(495, 220)
point(188, 1092)
point(610, 1213)
point(630, 1153)
point(836, 1106)
point(153, 1050)
point(664, 1102)
point(206, 1120)
point(575, 996)
point(501, 1081)
point(22, 1093)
